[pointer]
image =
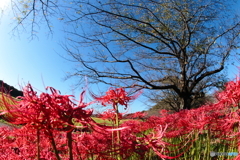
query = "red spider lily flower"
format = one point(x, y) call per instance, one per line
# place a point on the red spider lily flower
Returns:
point(46, 110)
point(110, 115)
point(139, 115)
point(116, 96)
point(231, 95)
point(157, 144)
point(49, 112)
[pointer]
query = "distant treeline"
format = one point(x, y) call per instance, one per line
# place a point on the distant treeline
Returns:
point(5, 88)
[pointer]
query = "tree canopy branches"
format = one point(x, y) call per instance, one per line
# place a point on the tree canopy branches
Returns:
point(34, 13)
point(177, 45)
point(180, 45)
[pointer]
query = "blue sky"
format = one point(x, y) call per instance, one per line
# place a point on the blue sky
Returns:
point(38, 62)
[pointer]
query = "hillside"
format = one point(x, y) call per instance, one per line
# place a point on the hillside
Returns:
point(5, 88)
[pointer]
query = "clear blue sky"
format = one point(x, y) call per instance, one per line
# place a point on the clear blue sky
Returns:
point(37, 61)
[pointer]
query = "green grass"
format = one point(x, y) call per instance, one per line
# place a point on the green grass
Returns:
point(102, 121)
point(106, 122)
point(9, 101)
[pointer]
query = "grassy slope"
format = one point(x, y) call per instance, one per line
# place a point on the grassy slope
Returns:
point(8, 100)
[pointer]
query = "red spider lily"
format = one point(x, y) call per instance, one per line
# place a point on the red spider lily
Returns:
point(231, 95)
point(139, 115)
point(163, 112)
point(46, 110)
point(156, 143)
point(110, 115)
point(219, 121)
point(116, 96)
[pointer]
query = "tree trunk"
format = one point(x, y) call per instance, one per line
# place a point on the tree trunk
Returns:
point(186, 101)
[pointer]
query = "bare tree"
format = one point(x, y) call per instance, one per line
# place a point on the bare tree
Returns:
point(177, 45)
point(34, 14)
point(170, 100)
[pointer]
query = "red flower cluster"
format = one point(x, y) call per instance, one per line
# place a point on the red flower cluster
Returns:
point(115, 96)
point(46, 111)
point(109, 115)
point(169, 135)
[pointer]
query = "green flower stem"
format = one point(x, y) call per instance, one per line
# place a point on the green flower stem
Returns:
point(117, 126)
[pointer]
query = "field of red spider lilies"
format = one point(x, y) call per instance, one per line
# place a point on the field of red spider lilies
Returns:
point(51, 126)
